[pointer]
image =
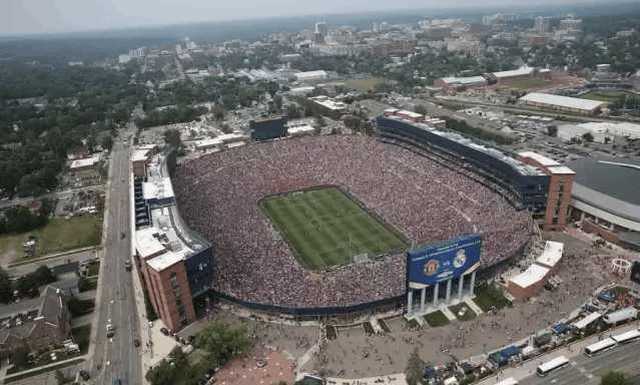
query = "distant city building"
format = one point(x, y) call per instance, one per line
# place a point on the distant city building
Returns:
point(321, 32)
point(542, 24)
point(311, 76)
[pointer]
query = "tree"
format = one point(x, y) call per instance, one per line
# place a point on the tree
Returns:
point(320, 122)
point(552, 131)
point(20, 357)
point(415, 368)
point(172, 138)
point(587, 137)
point(218, 112)
point(107, 142)
point(60, 378)
point(6, 291)
point(615, 378)
point(420, 109)
point(223, 342)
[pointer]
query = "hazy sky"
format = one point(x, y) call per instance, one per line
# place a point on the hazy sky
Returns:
point(46, 16)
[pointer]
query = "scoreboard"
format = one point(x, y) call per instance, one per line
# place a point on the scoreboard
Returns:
point(443, 261)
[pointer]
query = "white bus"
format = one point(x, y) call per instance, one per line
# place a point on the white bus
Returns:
point(508, 381)
point(600, 346)
point(629, 336)
point(552, 365)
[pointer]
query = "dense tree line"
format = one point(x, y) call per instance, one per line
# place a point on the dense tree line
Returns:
point(73, 106)
point(20, 219)
point(170, 115)
point(219, 341)
point(26, 286)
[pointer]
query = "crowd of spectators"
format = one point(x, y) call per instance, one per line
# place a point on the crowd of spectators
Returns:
point(218, 196)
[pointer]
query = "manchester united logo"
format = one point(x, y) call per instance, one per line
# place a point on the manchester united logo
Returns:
point(431, 267)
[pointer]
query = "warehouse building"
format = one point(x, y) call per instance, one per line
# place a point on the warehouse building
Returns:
point(605, 199)
point(602, 132)
point(563, 103)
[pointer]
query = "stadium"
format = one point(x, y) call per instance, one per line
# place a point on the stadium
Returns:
point(321, 225)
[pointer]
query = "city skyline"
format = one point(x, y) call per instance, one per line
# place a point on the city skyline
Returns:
point(54, 16)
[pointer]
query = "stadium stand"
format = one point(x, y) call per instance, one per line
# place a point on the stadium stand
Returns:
point(218, 196)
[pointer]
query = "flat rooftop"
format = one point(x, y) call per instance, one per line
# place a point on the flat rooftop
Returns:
point(562, 101)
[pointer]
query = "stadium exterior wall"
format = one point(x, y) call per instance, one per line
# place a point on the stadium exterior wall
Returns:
point(315, 312)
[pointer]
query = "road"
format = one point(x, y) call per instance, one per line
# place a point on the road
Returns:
point(117, 357)
point(584, 371)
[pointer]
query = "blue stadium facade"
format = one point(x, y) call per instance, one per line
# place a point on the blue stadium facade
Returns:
point(524, 186)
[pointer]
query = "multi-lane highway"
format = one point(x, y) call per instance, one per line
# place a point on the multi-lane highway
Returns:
point(583, 370)
point(116, 357)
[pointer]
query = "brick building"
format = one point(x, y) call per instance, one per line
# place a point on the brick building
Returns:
point(560, 188)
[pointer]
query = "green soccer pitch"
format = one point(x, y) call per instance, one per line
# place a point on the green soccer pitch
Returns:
point(325, 227)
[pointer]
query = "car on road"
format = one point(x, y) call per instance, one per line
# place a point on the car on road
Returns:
point(136, 343)
point(122, 235)
point(164, 331)
point(127, 265)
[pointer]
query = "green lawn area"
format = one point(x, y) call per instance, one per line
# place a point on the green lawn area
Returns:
point(436, 319)
point(93, 268)
point(363, 85)
point(488, 296)
point(468, 315)
point(524, 84)
point(58, 235)
point(603, 96)
point(81, 336)
point(325, 227)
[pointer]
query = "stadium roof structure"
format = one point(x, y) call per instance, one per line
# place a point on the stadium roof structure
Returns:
point(166, 260)
point(534, 274)
point(551, 255)
point(147, 244)
point(562, 101)
point(609, 185)
point(159, 188)
point(543, 160)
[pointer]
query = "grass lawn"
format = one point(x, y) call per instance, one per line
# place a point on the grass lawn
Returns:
point(363, 85)
point(488, 296)
point(326, 228)
point(93, 268)
point(81, 336)
point(524, 84)
point(603, 96)
point(468, 315)
point(58, 235)
point(436, 319)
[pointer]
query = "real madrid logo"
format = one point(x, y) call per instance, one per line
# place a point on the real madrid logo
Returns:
point(431, 267)
point(460, 259)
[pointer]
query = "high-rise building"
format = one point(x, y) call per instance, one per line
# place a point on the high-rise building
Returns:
point(542, 24)
point(321, 29)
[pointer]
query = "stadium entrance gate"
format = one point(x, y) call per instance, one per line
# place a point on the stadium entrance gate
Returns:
point(423, 299)
point(442, 274)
